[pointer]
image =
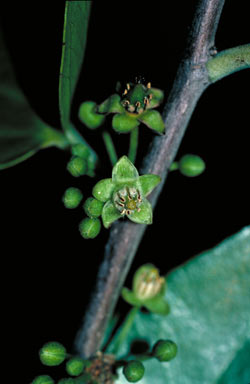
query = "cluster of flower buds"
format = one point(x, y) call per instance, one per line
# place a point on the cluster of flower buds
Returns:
point(82, 161)
point(163, 351)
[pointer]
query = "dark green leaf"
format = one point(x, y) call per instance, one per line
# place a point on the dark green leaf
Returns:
point(74, 42)
point(209, 319)
point(22, 133)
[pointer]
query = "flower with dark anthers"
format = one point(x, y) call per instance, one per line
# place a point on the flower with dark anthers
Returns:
point(134, 106)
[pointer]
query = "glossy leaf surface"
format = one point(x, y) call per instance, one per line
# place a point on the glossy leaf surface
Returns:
point(209, 319)
point(22, 132)
point(74, 42)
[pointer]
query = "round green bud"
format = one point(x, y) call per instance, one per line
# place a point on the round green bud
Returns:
point(75, 366)
point(89, 227)
point(92, 207)
point(52, 353)
point(133, 371)
point(88, 115)
point(191, 165)
point(77, 166)
point(80, 150)
point(72, 197)
point(67, 380)
point(164, 350)
point(43, 379)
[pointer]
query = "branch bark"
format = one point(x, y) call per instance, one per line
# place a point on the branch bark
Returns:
point(191, 81)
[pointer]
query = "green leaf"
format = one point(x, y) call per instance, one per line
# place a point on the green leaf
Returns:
point(22, 133)
point(209, 319)
point(109, 214)
point(103, 190)
point(144, 216)
point(153, 120)
point(124, 171)
point(76, 20)
point(148, 183)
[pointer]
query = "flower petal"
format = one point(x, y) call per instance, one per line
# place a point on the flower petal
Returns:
point(148, 183)
point(153, 120)
point(157, 305)
point(110, 214)
point(111, 105)
point(124, 123)
point(157, 97)
point(130, 297)
point(103, 190)
point(144, 216)
point(124, 171)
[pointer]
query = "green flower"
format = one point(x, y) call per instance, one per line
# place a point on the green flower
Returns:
point(148, 290)
point(135, 106)
point(125, 194)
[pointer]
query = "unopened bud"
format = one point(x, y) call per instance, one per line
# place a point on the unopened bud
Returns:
point(147, 282)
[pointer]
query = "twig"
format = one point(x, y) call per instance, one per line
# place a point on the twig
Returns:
point(191, 81)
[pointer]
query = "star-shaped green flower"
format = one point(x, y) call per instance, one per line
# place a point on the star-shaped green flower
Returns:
point(135, 106)
point(125, 194)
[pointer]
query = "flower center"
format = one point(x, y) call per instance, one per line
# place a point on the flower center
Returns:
point(127, 200)
point(136, 98)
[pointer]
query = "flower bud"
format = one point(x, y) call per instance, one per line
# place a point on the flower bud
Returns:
point(72, 197)
point(164, 350)
point(77, 166)
point(89, 228)
point(52, 353)
point(133, 371)
point(93, 207)
point(75, 366)
point(43, 379)
point(191, 165)
point(80, 150)
point(88, 115)
point(147, 282)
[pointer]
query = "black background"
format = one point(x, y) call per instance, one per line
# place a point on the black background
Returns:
point(48, 270)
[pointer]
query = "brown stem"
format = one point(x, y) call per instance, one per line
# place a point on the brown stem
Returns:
point(191, 81)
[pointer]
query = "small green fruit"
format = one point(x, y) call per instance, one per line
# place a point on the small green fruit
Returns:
point(93, 207)
point(72, 197)
point(90, 228)
point(133, 371)
point(88, 115)
point(164, 350)
point(43, 379)
point(77, 166)
point(191, 165)
point(52, 353)
point(75, 366)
